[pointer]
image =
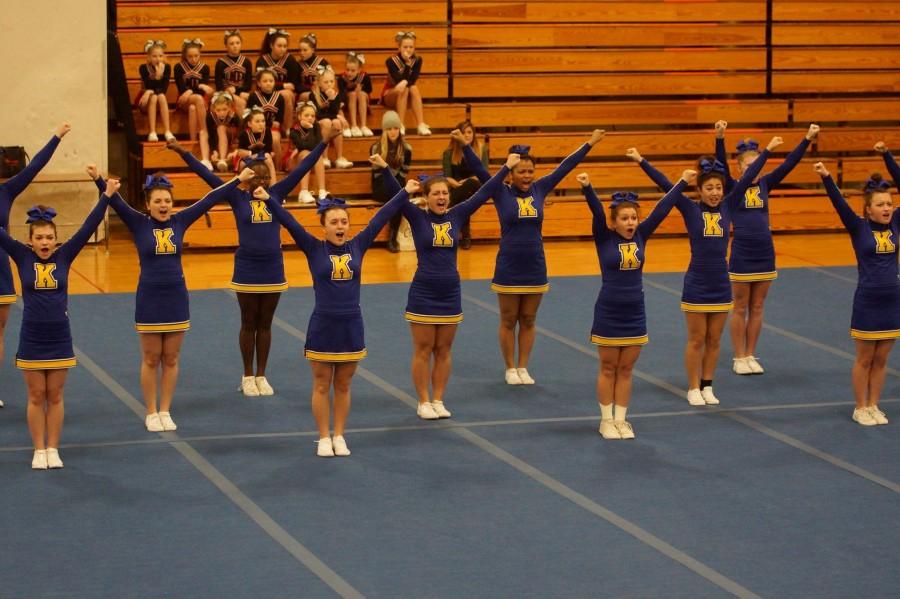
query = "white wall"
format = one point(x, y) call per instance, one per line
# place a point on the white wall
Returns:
point(67, 38)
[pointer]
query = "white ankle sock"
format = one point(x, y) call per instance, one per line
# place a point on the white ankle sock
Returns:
point(606, 412)
point(620, 412)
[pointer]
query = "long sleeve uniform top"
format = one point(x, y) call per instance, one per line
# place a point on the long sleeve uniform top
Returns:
point(259, 232)
point(460, 170)
point(874, 244)
point(157, 86)
point(12, 187)
point(401, 70)
point(189, 77)
point(521, 213)
point(233, 71)
point(337, 270)
point(272, 104)
point(45, 282)
point(361, 82)
point(325, 108)
point(286, 69)
point(309, 70)
point(892, 167)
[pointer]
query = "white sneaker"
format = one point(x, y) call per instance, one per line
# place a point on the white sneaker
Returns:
point(608, 430)
point(325, 449)
point(169, 136)
point(39, 461)
point(366, 132)
point(879, 416)
point(248, 386)
point(167, 423)
point(263, 386)
point(53, 460)
point(695, 398)
point(153, 137)
point(355, 132)
point(304, 197)
point(346, 133)
point(512, 376)
point(709, 397)
point(423, 129)
point(342, 162)
point(323, 193)
point(440, 410)
point(624, 428)
point(153, 423)
point(340, 446)
point(755, 366)
point(524, 376)
point(741, 366)
point(864, 417)
point(425, 411)
point(327, 162)
point(222, 166)
point(207, 164)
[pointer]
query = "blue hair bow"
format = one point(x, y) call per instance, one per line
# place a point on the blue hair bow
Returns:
point(873, 185)
point(35, 214)
point(157, 181)
point(619, 197)
point(747, 145)
point(711, 166)
point(519, 149)
point(254, 158)
point(327, 204)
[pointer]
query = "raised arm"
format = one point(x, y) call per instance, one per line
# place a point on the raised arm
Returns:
point(850, 219)
point(75, 243)
point(387, 175)
point(219, 194)
point(14, 248)
point(889, 162)
point(472, 159)
point(655, 175)
point(664, 206)
point(598, 223)
point(722, 153)
point(17, 183)
point(126, 213)
point(304, 240)
point(468, 207)
point(284, 187)
point(195, 165)
point(384, 214)
point(551, 180)
point(793, 159)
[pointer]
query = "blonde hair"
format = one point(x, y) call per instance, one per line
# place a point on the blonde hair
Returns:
point(393, 158)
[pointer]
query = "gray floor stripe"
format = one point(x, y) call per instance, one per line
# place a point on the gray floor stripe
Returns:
point(833, 275)
point(554, 485)
point(229, 489)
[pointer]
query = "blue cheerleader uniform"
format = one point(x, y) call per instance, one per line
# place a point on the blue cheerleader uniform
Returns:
point(258, 261)
point(161, 302)
point(876, 303)
point(521, 267)
point(9, 190)
point(707, 287)
point(619, 316)
point(752, 250)
point(45, 340)
point(335, 332)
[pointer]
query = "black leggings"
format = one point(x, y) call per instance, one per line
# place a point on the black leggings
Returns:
point(257, 312)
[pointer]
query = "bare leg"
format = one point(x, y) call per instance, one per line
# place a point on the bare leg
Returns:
point(862, 366)
point(606, 376)
point(276, 149)
point(443, 345)
point(715, 324)
point(320, 172)
point(249, 304)
point(362, 99)
point(4, 316)
point(509, 317)
point(423, 338)
point(627, 359)
point(738, 325)
point(343, 377)
point(151, 112)
point(416, 103)
point(693, 349)
point(289, 99)
point(56, 381)
point(267, 304)
point(193, 131)
point(240, 103)
point(36, 383)
point(322, 373)
point(163, 111)
point(879, 370)
point(151, 355)
point(222, 134)
point(528, 308)
point(171, 351)
point(758, 292)
point(352, 104)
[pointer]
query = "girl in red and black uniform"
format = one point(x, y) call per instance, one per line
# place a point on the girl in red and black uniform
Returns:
point(273, 105)
point(233, 71)
point(400, 88)
point(275, 57)
point(192, 79)
point(329, 101)
point(310, 65)
point(155, 76)
point(356, 84)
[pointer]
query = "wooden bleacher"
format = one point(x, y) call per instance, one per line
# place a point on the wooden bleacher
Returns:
point(654, 74)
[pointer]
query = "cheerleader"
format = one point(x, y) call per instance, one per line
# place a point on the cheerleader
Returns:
point(274, 106)
point(463, 182)
point(221, 123)
point(258, 278)
point(155, 75)
point(400, 88)
point(397, 154)
point(620, 324)
point(356, 85)
point(255, 137)
point(334, 340)
point(45, 342)
point(520, 275)
point(161, 313)
point(232, 73)
point(328, 101)
point(875, 322)
point(706, 295)
point(751, 266)
point(434, 307)
point(310, 65)
point(192, 79)
point(9, 191)
point(305, 136)
point(275, 57)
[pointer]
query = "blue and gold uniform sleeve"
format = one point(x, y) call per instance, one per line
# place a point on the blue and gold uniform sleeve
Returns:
point(784, 169)
point(661, 210)
point(722, 156)
point(17, 183)
point(127, 214)
point(484, 193)
point(284, 187)
point(892, 167)
point(656, 175)
point(70, 248)
point(304, 240)
point(188, 215)
point(734, 196)
point(475, 165)
point(850, 219)
point(598, 223)
point(197, 167)
point(389, 180)
point(15, 249)
point(381, 218)
point(551, 180)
